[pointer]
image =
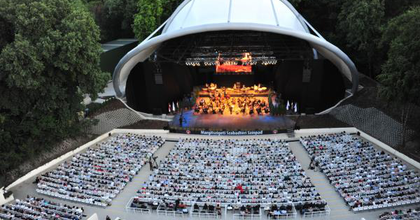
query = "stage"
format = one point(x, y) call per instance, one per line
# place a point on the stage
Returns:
point(216, 122)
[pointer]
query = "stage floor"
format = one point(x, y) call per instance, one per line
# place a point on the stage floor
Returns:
point(233, 122)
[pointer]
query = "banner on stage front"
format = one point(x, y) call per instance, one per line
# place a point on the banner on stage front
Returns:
point(232, 132)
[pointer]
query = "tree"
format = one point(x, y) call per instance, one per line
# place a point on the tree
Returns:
point(151, 14)
point(114, 17)
point(49, 59)
point(148, 18)
point(394, 8)
point(400, 78)
point(169, 7)
point(360, 23)
point(295, 3)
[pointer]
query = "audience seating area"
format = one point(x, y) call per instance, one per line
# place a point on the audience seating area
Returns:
point(409, 214)
point(98, 175)
point(365, 177)
point(39, 209)
point(248, 211)
point(204, 210)
point(223, 172)
point(280, 211)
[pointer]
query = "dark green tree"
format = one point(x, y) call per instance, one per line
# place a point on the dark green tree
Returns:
point(322, 15)
point(296, 3)
point(400, 78)
point(394, 8)
point(151, 14)
point(49, 58)
point(360, 22)
point(148, 18)
point(169, 7)
point(114, 17)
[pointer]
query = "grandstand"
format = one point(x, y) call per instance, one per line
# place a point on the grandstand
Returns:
point(273, 172)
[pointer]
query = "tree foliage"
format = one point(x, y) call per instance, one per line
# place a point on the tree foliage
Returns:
point(345, 23)
point(114, 17)
point(400, 78)
point(360, 22)
point(148, 18)
point(119, 16)
point(49, 58)
point(151, 14)
point(295, 3)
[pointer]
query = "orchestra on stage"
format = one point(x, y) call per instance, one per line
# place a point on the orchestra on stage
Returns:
point(234, 101)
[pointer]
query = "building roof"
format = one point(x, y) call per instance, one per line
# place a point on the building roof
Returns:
point(202, 12)
point(198, 16)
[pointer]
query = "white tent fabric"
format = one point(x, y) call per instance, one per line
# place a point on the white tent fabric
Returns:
point(198, 16)
point(201, 12)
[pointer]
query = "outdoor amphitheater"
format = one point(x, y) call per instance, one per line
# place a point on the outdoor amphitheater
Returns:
point(259, 120)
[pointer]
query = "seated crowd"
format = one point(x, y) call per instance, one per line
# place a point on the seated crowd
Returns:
point(205, 208)
point(231, 172)
point(365, 177)
point(145, 205)
point(40, 209)
point(409, 214)
point(278, 211)
point(99, 174)
point(245, 210)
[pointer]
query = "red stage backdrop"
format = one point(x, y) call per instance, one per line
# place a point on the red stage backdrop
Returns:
point(233, 69)
point(230, 67)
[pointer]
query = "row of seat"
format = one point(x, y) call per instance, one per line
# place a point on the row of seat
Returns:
point(365, 177)
point(98, 175)
point(34, 208)
point(227, 171)
point(407, 214)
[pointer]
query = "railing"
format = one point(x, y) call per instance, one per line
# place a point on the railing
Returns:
point(202, 214)
point(247, 216)
point(128, 208)
point(388, 205)
point(237, 214)
point(217, 213)
point(405, 216)
point(287, 215)
point(313, 214)
point(214, 214)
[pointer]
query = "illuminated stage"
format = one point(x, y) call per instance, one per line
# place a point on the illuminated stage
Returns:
point(194, 123)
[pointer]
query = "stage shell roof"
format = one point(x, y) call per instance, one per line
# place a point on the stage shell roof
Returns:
point(198, 16)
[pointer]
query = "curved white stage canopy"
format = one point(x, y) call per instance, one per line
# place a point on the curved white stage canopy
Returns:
point(198, 16)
